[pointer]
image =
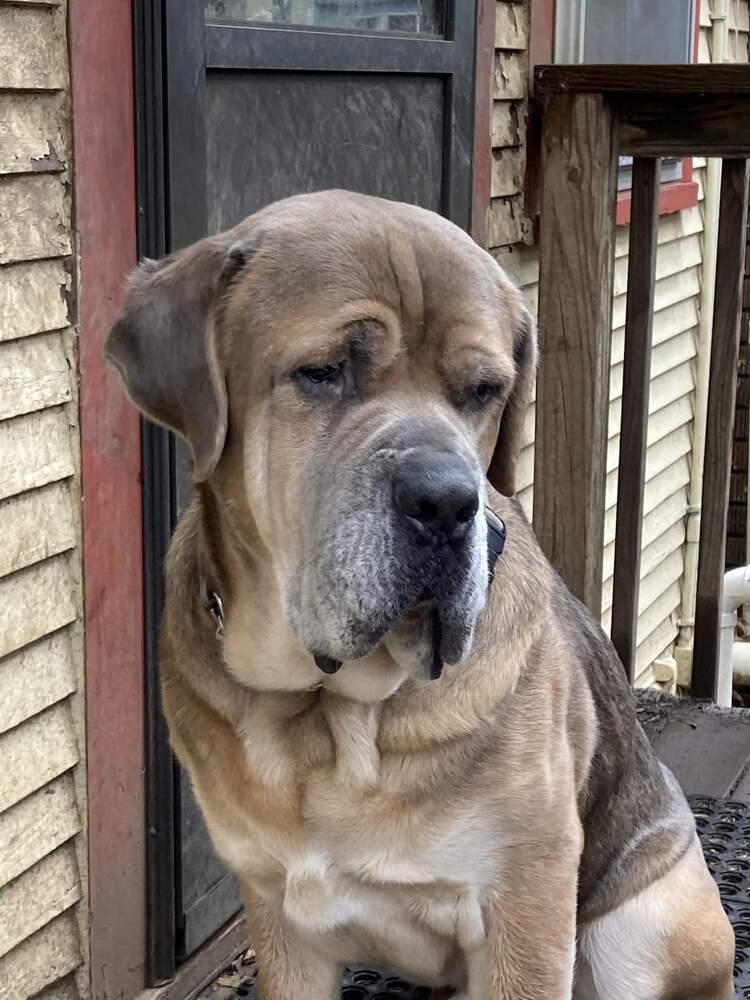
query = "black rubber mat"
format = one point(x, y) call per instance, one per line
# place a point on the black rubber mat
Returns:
point(358, 984)
point(724, 829)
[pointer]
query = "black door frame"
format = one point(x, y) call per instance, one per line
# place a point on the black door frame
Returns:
point(158, 497)
point(170, 69)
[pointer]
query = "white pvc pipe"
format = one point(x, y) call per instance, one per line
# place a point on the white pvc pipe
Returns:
point(741, 662)
point(736, 592)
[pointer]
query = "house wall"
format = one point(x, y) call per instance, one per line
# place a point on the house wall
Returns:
point(677, 305)
point(42, 774)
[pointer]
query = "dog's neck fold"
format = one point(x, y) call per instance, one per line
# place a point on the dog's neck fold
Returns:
point(262, 654)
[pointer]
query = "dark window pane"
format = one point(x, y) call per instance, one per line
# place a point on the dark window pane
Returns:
point(413, 17)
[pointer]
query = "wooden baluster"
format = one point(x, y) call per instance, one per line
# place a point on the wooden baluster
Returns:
point(575, 309)
point(720, 425)
point(634, 419)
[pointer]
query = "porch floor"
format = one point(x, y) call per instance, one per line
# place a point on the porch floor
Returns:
point(708, 749)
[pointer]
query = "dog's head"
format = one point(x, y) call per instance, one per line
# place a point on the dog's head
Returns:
point(346, 371)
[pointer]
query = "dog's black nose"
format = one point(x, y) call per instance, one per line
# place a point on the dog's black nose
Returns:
point(438, 492)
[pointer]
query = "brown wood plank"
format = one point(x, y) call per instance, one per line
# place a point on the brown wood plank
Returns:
point(639, 318)
point(725, 344)
point(575, 307)
point(661, 125)
point(726, 79)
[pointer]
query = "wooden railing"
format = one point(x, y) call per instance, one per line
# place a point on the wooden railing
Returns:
point(590, 115)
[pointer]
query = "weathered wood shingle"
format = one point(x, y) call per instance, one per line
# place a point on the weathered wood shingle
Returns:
point(34, 217)
point(33, 51)
point(32, 137)
point(34, 298)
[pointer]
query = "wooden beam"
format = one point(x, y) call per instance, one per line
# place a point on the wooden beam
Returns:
point(698, 125)
point(730, 80)
point(725, 342)
point(634, 421)
point(579, 145)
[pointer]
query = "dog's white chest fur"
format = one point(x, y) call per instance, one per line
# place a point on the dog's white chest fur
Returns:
point(384, 899)
point(378, 875)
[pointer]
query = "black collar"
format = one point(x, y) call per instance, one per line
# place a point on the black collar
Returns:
point(496, 535)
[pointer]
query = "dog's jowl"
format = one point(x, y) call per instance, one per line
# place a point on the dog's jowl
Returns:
point(414, 749)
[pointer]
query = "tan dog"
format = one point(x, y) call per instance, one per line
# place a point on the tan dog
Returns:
point(346, 370)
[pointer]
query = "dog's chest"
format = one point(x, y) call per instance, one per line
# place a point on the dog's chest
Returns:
point(386, 876)
point(392, 868)
point(383, 871)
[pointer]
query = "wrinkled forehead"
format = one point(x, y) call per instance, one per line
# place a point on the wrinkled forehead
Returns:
point(326, 265)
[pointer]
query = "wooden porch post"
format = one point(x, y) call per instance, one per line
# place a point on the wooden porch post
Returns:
point(639, 321)
point(717, 464)
point(579, 165)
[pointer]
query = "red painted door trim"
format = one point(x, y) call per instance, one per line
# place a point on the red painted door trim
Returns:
point(101, 57)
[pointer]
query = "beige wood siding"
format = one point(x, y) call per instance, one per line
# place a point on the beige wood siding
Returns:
point(675, 342)
point(42, 783)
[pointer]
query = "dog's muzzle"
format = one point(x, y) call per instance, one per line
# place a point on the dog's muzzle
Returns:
point(435, 499)
point(496, 536)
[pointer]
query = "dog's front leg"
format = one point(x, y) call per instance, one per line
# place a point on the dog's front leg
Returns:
point(529, 951)
point(288, 968)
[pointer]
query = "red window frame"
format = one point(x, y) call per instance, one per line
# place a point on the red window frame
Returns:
point(673, 195)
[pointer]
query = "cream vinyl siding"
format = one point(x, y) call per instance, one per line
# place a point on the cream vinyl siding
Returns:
point(677, 304)
point(42, 778)
point(670, 423)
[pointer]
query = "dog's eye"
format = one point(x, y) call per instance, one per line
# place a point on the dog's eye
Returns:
point(484, 392)
point(479, 395)
point(320, 375)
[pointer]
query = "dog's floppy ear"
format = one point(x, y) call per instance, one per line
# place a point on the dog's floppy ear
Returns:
point(164, 344)
point(502, 470)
